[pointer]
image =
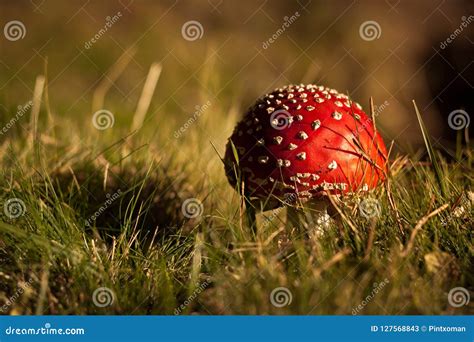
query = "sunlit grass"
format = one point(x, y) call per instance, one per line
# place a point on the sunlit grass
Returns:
point(154, 258)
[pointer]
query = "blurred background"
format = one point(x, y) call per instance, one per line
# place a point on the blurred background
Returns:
point(230, 53)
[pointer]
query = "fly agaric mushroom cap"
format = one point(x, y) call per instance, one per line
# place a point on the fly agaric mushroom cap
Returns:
point(304, 141)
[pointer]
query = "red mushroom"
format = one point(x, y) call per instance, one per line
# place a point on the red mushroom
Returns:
point(304, 141)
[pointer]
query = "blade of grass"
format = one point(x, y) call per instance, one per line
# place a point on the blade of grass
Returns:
point(35, 109)
point(110, 77)
point(147, 94)
point(431, 151)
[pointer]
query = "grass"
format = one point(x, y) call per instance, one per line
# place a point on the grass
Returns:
point(156, 260)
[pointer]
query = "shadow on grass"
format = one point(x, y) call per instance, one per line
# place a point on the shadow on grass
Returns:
point(146, 202)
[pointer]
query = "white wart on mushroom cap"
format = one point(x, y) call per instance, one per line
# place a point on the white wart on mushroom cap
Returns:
point(303, 140)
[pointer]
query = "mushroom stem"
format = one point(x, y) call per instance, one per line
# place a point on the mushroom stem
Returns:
point(314, 219)
point(293, 218)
